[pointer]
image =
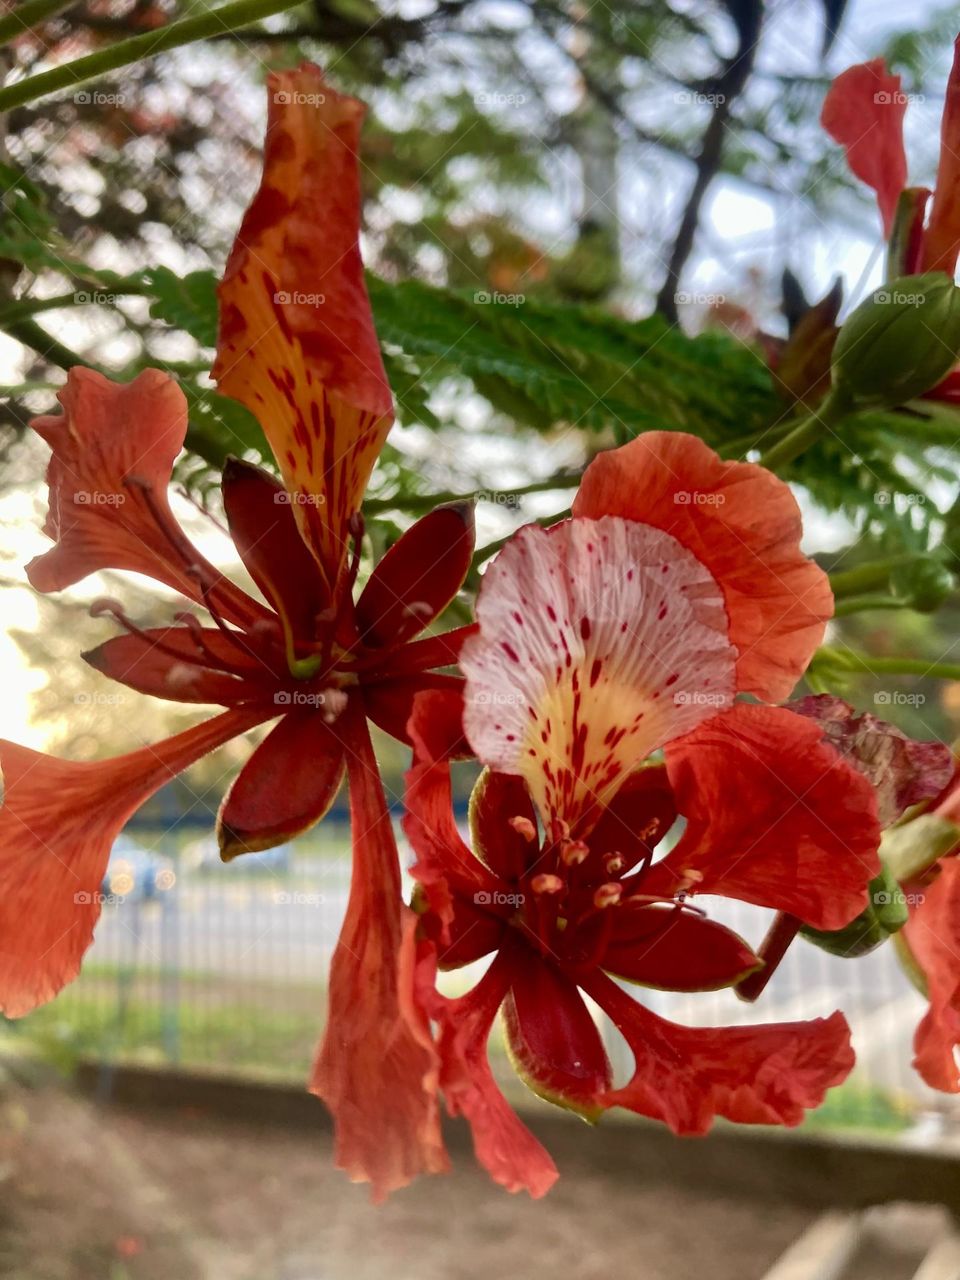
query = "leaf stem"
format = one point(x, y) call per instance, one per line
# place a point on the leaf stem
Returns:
point(418, 502)
point(832, 408)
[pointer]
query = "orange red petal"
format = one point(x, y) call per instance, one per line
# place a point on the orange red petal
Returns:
point(689, 1076)
point(57, 825)
point(113, 452)
point(743, 526)
point(774, 815)
point(376, 1068)
point(933, 936)
point(297, 344)
point(285, 787)
point(863, 111)
point(941, 240)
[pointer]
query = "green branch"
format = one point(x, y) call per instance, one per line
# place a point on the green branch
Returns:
point(868, 577)
point(908, 667)
point(420, 502)
point(229, 17)
point(828, 413)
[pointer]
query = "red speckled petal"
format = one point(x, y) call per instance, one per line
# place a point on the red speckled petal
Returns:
point(57, 825)
point(863, 111)
point(903, 771)
point(297, 344)
point(599, 641)
point(743, 525)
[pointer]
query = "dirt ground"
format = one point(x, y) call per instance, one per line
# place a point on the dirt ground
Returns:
point(90, 1193)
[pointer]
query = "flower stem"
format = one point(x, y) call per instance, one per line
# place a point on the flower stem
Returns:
point(832, 408)
point(228, 17)
point(772, 950)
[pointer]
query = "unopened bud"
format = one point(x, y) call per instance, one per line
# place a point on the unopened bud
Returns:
point(614, 863)
point(886, 915)
point(899, 343)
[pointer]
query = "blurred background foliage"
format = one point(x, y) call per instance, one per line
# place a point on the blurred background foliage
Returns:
point(548, 268)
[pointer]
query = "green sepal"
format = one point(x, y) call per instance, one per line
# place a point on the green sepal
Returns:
point(885, 916)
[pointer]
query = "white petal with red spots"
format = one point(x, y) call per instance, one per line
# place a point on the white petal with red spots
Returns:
point(600, 641)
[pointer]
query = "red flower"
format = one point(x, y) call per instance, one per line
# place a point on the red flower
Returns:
point(297, 347)
point(931, 948)
point(863, 111)
point(677, 584)
point(929, 944)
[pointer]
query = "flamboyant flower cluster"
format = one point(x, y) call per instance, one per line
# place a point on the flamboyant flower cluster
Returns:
point(627, 629)
point(307, 655)
point(622, 774)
